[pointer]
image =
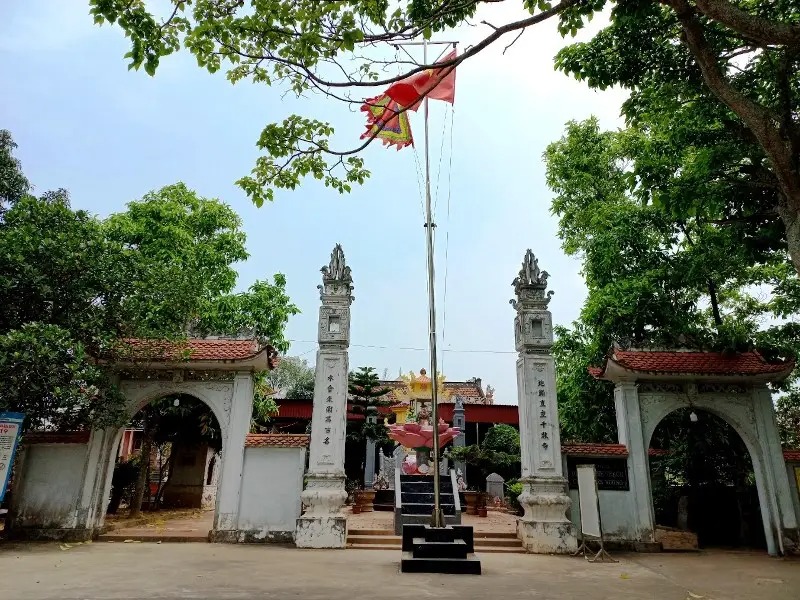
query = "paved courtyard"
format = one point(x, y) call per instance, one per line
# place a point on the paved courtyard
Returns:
point(151, 571)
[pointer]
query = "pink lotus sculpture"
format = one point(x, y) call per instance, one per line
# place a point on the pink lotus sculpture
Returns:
point(420, 436)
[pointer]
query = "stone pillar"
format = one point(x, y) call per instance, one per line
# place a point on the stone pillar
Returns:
point(226, 520)
point(459, 420)
point(630, 433)
point(783, 521)
point(322, 525)
point(369, 462)
point(544, 528)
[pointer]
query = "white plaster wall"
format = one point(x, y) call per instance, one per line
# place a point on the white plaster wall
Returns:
point(793, 489)
point(49, 488)
point(271, 486)
point(617, 514)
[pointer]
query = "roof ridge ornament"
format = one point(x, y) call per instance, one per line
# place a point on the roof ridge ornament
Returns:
point(530, 284)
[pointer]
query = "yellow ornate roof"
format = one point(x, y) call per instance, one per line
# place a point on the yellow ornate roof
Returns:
point(417, 388)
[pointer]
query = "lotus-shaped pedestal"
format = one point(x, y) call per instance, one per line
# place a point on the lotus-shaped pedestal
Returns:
point(416, 435)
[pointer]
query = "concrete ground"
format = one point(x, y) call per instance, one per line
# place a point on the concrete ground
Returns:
point(175, 526)
point(116, 571)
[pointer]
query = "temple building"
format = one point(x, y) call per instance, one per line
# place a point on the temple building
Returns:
point(412, 392)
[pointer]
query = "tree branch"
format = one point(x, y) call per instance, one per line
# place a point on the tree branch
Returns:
point(765, 31)
point(468, 53)
point(762, 121)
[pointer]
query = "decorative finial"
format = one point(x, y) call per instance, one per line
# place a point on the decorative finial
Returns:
point(531, 283)
point(337, 270)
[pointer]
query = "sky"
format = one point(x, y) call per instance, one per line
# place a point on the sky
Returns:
point(86, 123)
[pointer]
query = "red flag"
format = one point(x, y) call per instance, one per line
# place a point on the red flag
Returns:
point(386, 122)
point(436, 84)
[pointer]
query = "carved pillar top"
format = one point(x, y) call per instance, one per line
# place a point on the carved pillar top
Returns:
point(336, 293)
point(337, 280)
point(534, 324)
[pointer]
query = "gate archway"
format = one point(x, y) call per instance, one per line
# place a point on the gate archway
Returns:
point(652, 384)
point(702, 480)
point(175, 439)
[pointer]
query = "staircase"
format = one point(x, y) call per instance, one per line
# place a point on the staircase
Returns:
point(414, 506)
point(385, 539)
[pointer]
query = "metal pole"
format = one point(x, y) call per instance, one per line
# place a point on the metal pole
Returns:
point(437, 517)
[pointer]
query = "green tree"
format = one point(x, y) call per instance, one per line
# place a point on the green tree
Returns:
point(366, 396)
point(13, 184)
point(46, 374)
point(293, 378)
point(183, 248)
point(71, 286)
point(499, 452)
point(655, 277)
point(61, 284)
point(741, 56)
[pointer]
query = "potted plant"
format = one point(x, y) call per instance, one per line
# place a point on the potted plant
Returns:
point(471, 501)
point(365, 500)
point(481, 508)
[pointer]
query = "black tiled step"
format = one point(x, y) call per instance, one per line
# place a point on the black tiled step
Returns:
point(437, 534)
point(424, 487)
point(460, 566)
point(424, 497)
point(414, 508)
point(423, 520)
point(433, 549)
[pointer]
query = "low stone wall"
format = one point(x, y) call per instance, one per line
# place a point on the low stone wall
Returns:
point(47, 491)
point(272, 480)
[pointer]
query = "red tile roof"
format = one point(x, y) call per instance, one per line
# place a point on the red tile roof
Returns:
point(594, 450)
point(52, 437)
point(194, 349)
point(791, 455)
point(277, 440)
point(692, 363)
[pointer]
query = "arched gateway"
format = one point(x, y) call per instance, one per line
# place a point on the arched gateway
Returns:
point(218, 372)
point(649, 385)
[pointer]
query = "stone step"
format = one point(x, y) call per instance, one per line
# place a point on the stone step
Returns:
point(151, 538)
point(496, 534)
point(490, 542)
point(478, 548)
point(371, 540)
point(370, 532)
point(357, 546)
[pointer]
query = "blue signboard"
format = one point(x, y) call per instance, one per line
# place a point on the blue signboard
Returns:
point(10, 430)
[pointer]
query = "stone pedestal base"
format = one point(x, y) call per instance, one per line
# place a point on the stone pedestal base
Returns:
point(321, 532)
point(545, 528)
point(547, 538)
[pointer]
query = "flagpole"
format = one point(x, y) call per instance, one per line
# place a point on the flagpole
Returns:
point(437, 519)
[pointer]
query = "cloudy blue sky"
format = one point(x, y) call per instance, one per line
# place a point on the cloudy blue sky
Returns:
point(85, 123)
